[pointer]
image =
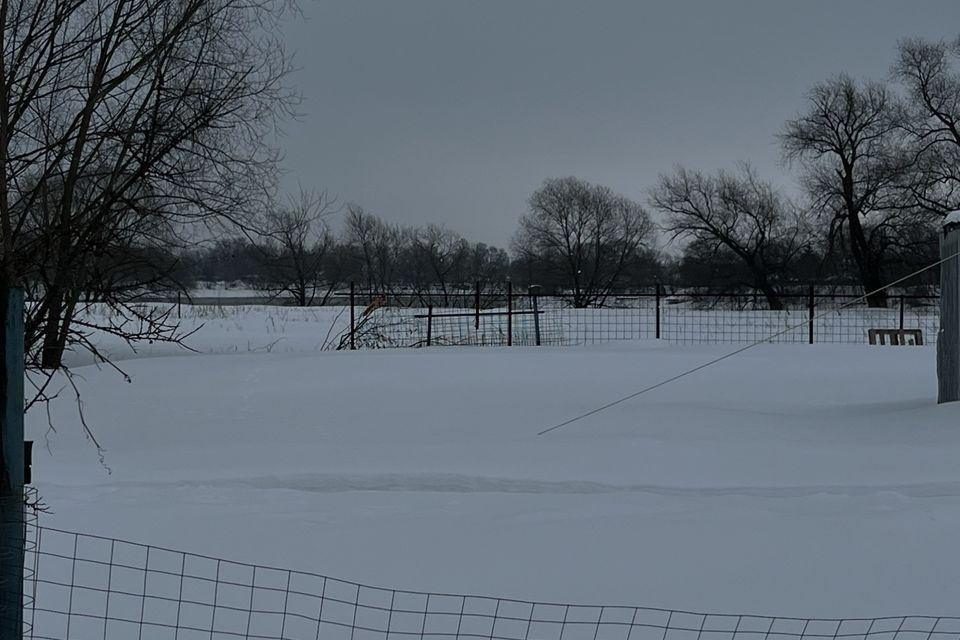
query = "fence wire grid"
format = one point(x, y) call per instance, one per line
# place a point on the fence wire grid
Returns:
point(498, 315)
point(505, 319)
point(95, 588)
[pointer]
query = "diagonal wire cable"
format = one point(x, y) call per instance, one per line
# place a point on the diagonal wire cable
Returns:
point(710, 363)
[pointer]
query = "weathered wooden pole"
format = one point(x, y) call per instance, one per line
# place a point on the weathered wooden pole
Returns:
point(948, 338)
point(12, 532)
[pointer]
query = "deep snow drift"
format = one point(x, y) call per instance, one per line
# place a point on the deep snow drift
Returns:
point(791, 480)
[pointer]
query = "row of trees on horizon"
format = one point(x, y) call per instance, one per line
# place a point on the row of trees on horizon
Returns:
point(878, 164)
point(304, 267)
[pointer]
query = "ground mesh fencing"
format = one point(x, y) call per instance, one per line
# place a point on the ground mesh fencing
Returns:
point(18, 550)
point(94, 588)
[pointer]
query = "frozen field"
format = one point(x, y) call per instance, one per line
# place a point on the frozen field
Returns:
point(792, 480)
point(235, 329)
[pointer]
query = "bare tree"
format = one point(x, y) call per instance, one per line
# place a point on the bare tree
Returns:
point(294, 243)
point(486, 264)
point(929, 73)
point(444, 255)
point(584, 232)
point(123, 125)
point(739, 213)
point(376, 247)
point(226, 259)
point(855, 162)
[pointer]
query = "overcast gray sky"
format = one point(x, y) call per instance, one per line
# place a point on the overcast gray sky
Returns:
point(453, 111)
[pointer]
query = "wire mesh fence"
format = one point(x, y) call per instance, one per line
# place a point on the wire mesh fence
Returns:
point(504, 318)
point(12, 543)
point(18, 536)
point(501, 315)
point(94, 588)
point(811, 318)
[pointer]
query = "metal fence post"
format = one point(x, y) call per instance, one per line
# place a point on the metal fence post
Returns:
point(901, 317)
point(948, 338)
point(12, 532)
point(353, 318)
point(179, 302)
point(534, 294)
point(657, 297)
point(509, 314)
point(476, 307)
point(812, 314)
point(429, 323)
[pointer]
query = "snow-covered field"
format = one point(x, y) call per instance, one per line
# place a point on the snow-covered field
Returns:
point(254, 328)
point(792, 480)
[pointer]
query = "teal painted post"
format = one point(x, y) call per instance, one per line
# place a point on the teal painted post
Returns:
point(948, 338)
point(12, 532)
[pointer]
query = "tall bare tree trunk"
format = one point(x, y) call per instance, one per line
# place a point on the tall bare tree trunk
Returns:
point(774, 303)
point(51, 354)
point(868, 264)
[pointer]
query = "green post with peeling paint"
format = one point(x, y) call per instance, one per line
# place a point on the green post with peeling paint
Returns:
point(12, 532)
point(948, 338)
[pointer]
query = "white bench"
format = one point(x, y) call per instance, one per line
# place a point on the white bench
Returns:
point(912, 337)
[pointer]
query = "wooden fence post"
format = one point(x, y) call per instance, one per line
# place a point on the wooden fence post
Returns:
point(948, 338)
point(811, 314)
point(12, 525)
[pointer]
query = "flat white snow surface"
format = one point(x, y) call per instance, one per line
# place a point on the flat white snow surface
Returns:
point(790, 480)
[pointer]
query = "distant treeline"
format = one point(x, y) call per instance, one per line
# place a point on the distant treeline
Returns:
point(384, 258)
point(878, 164)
